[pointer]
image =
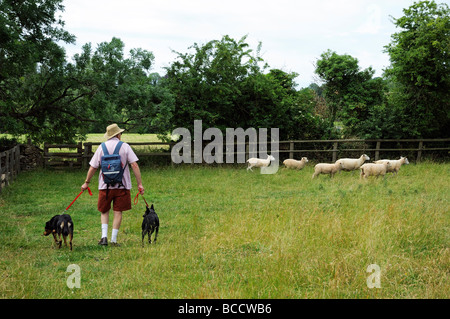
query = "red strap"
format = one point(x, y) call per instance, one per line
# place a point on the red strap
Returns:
point(136, 199)
point(90, 193)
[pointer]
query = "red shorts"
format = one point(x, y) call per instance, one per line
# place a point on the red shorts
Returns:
point(121, 199)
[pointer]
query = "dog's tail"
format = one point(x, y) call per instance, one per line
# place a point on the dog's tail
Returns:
point(65, 228)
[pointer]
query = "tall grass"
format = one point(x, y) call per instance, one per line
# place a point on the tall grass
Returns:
point(228, 233)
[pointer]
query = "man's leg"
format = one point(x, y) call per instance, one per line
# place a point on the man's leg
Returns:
point(116, 225)
point(104, 206)
point(104, 218)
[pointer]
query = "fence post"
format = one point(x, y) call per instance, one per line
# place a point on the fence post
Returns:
point(80, 154)
point(18, 159)
point(291, 149)
point(87, 153)
point(7, 169)
point(419, 152)
point(45, 155)
point(12, 163)
point(377, 151)
point(335, 149)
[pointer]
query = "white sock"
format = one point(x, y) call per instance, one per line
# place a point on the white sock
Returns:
point(105, 230)
point(114, 235)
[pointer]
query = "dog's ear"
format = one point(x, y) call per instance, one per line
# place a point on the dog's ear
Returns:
point(152, 207)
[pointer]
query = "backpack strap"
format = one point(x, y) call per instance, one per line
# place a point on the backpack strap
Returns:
point(118, 146)
point(105, 150)
point(116, 151)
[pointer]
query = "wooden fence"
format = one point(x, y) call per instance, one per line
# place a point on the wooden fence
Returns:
point(9, 166)
point(376, 148)
point(68, 158)
point(315, 150)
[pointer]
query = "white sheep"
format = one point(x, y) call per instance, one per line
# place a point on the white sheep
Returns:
point(372, 169)
point(395, 164)
point(258, 162)
point(292, 163)
point(351, 164)
point(324, 168)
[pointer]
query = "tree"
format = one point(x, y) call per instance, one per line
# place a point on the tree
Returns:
point(350, 92)
point(419, 71)
point(31, 66)
point(207, 83)
point(125, 91)
point(49, 99)
point(339, 73)
point(223, 84)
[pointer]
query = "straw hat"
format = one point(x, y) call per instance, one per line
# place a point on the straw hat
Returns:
point(112, 130)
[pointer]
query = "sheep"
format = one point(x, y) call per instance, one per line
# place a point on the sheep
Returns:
point(323, 168)
point(258, 162)
point(292, 163)
point(372, 169)
point(395, 164)
point(351, 164)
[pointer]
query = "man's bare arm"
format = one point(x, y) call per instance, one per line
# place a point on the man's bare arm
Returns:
point(137, 174)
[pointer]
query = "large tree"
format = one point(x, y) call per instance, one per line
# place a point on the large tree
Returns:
point(224, 84)
point(351, 93)
point(420, 70)
point(125, 91)
point(31, 66)
point(49, 99)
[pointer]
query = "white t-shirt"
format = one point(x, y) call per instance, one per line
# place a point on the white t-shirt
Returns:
point(127, 156)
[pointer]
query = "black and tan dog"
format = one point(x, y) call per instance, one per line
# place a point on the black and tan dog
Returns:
point(60, 225)
point(150, 224)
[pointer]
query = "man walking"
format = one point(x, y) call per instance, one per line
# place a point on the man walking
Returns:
point(119, 194)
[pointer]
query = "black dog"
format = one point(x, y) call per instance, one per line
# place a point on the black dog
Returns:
point(60, 225)
point(150, 224)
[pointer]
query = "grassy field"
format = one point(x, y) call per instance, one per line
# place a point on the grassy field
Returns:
point(99, 138)
point(228, 233)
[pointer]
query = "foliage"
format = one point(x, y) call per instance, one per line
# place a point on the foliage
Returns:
point(7, 143)
point(223, 84)
point(32, 82)
point(351, 93)
point(125, 91)
point(56, 101)
point(420, 59)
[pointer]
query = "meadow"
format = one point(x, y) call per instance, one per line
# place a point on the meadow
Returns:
point(229, 233)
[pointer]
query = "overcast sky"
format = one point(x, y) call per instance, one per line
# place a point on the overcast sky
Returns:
point(293, 33)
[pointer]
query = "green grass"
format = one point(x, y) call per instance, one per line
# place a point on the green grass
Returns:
point(228, 233)
point(99, 138)
point(126, 137)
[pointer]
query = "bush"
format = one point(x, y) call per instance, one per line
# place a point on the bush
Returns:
point(7, 143)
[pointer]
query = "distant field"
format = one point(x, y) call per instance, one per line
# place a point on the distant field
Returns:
point(228, 233)
point(126, 137)
point(99, 137)
point(130, 138)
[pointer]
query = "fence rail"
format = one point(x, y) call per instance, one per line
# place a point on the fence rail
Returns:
point(63, 159)
point(316, 150)
point(9, 166)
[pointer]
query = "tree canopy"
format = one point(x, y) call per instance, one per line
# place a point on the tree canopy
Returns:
point(224, 83)
point(420, 69)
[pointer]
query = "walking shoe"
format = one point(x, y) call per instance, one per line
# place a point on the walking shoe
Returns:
point(115, 244)
point(103, 241)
